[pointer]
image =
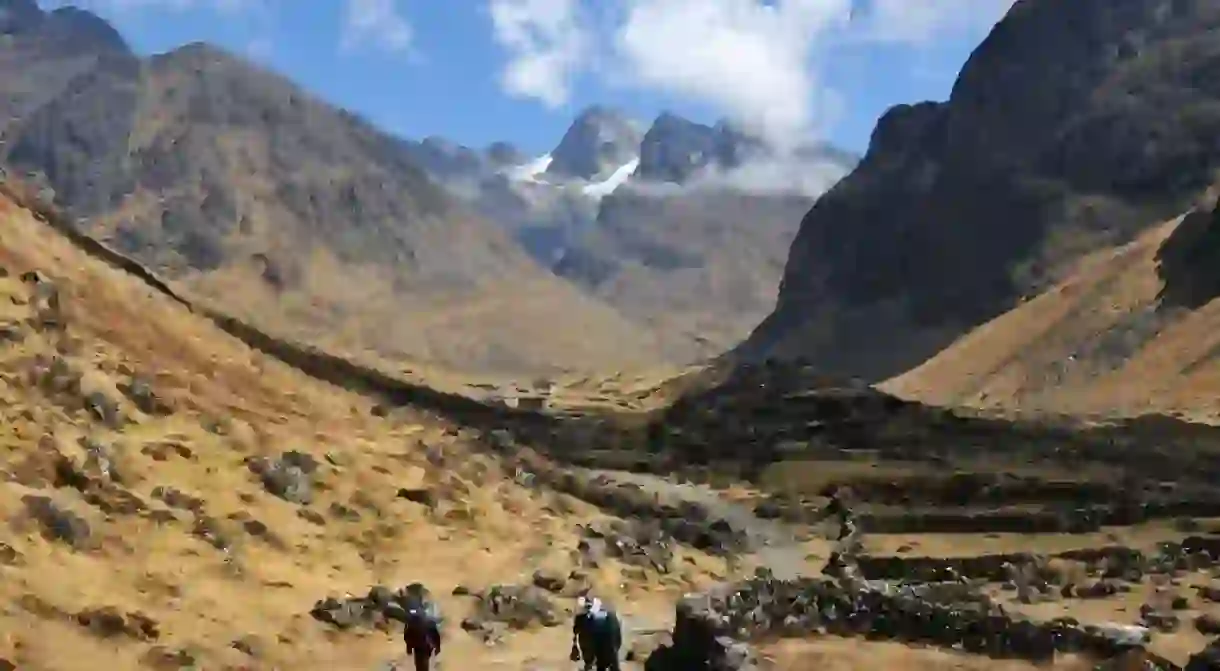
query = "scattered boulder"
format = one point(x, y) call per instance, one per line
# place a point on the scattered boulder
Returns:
point(175, 498)
point(311, 516)
point(103, 409)
point(1209, 592)
point(424, 497)
point(341, 512)
point(635, 543)
point(59, 524)
point(141, 393)
point(251, 645)
point(212, 532)
point(518, 606)
point(9, 556)
point(162, 658)
point(381, 606)
point(11, 333)
point(110, 622)
point(288, 477)
point(549, 580)
point(1208, 624)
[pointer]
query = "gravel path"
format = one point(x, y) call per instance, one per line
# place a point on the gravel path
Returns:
point(777, 545)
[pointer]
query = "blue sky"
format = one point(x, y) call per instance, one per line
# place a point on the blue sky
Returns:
point(476, 71)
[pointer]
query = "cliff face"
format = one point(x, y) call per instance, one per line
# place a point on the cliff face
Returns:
point(1071, 127)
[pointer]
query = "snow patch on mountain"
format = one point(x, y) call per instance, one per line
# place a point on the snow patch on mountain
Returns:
point(529, 172)
point(599, 190)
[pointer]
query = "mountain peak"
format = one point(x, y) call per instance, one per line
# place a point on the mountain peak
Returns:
point(19, 16)
point(675, 147)
point(69, 29)
point(82, 28)
point(600, 140)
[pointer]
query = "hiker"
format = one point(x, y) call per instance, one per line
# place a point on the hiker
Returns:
point(422, 632)
point(597, 635)
point(849, 534)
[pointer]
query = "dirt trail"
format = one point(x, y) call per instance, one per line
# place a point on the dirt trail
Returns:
point(777, 546)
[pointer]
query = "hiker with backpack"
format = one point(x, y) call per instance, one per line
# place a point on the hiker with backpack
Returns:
point(597, 635)
point(848, 542)
point(421, 633)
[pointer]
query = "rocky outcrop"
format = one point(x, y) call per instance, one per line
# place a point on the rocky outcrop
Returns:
point(377, 609)
point(710, 628)
point(1192, 554)
point(1072, 126)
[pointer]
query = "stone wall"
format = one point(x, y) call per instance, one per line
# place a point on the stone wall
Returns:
point(710, 628)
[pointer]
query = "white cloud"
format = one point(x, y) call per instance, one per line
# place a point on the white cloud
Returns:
point(759, 62)
point(749, 59)
point(375, 23)
point(781, 173)
point(776, 174)
point(547, 45)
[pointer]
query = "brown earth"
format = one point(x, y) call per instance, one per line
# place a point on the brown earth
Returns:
point(1132, 329)
point(71, 369)
point(80, 342)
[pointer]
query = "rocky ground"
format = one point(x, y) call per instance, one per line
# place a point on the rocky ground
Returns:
point(176, 499)
point(178, 496)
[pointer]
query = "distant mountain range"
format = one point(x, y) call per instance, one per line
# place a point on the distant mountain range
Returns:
point(550, 200)
point(625, 246)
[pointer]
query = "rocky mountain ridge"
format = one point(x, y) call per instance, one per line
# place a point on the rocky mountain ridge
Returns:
point(243, 188)
point(682, 228)
point(1070, 128)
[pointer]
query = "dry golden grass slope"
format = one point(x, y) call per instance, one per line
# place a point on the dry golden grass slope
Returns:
point(117, 370)
point(1110, 339)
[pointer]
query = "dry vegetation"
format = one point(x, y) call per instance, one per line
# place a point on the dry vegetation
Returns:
point(1104, 341)
point(111, 368)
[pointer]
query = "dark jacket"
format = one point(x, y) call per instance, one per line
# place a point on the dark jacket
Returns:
point(422, 632)
point(594, 635)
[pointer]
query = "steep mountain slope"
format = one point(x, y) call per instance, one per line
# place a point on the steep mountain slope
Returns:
point(177, 499)
point(1073, 126)
point(236, 183)
point(1132, 329)
point(700, 267)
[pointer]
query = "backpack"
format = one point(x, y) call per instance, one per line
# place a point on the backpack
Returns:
point(421, 611)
